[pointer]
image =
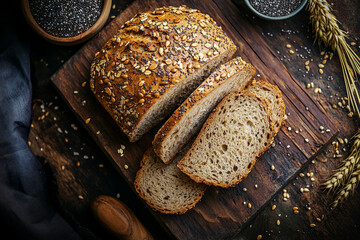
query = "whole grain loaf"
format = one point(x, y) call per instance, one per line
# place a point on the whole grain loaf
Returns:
point(153, 63)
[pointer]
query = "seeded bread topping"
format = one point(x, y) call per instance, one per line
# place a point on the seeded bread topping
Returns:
point(151, 54)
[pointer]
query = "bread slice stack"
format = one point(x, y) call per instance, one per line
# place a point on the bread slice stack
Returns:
point(236, 133)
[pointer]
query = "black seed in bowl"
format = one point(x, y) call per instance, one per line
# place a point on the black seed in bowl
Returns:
point(275, 8)
point(64, 18)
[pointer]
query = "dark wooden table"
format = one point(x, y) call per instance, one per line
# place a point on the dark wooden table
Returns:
point(76, 167)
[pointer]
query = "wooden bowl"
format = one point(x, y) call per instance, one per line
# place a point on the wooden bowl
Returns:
point(94, 29)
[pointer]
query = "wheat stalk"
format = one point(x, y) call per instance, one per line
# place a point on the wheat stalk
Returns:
point(345, 191)
point(327, 31)
point(343, 173)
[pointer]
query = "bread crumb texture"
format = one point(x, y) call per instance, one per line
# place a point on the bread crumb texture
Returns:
point(164, 187)
point(235, 134)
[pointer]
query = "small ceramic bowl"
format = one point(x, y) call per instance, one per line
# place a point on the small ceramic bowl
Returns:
point(296, 11)
point(94, 29)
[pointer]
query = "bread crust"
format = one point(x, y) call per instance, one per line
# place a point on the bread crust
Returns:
point(217, 78)
point(149, 56)
point(150, 153)
point(202, 131)
point(282, 104)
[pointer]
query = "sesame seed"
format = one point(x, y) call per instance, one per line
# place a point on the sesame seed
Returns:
point(273, 207)
point(161, 51)
point(288, 45)
point(272, 167)
point(126, 166)
point(87, 120)
point(312, 225)
point(197, 66)
point(278, 222)
point(152, 66)
point(291, 52)
point(321, 71)
point(141, 83)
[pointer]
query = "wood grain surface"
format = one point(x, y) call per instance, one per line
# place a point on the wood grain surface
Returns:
point(222, 212)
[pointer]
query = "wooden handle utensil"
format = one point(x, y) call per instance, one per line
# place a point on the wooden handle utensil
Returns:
point(117, 218)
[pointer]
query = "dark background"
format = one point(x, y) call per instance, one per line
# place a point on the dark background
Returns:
point(58, 139)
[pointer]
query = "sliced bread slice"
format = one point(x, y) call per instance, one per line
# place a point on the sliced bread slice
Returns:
point(235, 134)
point(164, 187)
point(187, 120)
point(272, 94)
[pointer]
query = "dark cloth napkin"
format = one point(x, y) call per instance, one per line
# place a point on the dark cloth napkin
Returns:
point(25, 208)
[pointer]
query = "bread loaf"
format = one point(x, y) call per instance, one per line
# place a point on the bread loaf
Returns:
point(164, 187)
point(154, 62)
point(187, 120)
point(274, 96)
point(234, 135)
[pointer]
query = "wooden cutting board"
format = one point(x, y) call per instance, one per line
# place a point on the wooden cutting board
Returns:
point(222, 212)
